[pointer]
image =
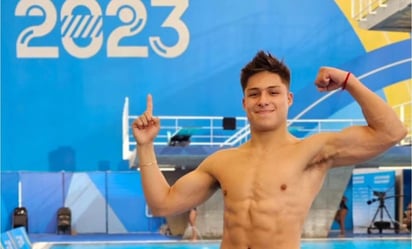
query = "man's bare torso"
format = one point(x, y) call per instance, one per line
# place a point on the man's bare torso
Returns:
point(266, 195)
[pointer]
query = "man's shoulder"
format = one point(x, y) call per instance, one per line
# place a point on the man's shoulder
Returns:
point(223, 155)
point(225, 152)
point(316, 138)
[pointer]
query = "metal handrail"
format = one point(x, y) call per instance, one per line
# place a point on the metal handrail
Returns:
point(209, 131)
point(205, 130)
point(360, 9)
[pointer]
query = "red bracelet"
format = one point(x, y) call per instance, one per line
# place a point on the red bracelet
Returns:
point(346, 81)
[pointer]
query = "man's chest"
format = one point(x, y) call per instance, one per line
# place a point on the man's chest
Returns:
point(267, 177)
point(259, 179)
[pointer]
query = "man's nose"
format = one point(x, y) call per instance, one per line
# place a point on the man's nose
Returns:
point(263, 100)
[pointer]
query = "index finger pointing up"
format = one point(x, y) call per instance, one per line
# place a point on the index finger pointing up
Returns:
point(149, 105)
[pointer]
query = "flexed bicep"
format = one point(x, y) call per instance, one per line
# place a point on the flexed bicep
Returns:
point(356, 144)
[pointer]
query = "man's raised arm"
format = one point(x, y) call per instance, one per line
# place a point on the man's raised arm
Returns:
point(163, 199)
point(384, 129)
point(145, 129)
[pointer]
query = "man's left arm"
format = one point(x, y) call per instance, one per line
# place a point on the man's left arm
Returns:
point(355, 144)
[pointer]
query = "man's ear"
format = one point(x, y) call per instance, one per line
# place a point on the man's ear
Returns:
point(243, 103)
point(290, 98)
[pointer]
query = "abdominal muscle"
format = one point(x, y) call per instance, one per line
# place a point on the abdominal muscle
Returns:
point(262, 224)
point(265, 203)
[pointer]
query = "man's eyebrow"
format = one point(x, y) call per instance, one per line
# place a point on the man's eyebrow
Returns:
point(257, 88)
point(270, 87)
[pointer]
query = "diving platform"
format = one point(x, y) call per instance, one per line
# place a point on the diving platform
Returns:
point(383, 15)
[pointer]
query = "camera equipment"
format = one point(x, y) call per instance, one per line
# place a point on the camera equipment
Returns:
point(381, 224)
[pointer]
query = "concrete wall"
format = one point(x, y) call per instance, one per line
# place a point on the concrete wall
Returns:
point(324, 207)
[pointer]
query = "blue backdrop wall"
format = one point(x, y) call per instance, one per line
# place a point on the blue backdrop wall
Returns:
point(100, 202)
point(68, 65)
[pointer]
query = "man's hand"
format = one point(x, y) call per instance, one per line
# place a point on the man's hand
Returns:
point(329, 79)
point(146, 127)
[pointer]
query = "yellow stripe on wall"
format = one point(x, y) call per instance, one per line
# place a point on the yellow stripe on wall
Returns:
point(399, 93)
point(371, 40)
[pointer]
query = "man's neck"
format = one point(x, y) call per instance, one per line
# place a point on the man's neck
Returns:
point(271, 139)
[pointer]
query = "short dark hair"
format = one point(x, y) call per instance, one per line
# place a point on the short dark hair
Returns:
point(265, 62)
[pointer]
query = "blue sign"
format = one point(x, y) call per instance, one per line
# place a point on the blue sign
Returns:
point(368, 190)
point(7, 242)
point(15, 239)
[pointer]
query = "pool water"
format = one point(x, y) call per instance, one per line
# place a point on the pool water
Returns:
point(324, 244)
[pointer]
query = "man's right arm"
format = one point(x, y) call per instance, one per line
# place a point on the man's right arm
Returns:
point(189, 190)
point(163, 199)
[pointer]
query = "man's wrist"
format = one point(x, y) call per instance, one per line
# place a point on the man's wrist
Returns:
point(147, 164)
point(145, 144)
point(345, 82)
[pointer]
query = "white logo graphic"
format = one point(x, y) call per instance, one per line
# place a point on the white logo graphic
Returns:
point(82, 33)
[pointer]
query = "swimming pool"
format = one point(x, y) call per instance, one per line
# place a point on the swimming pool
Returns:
point(307, 244)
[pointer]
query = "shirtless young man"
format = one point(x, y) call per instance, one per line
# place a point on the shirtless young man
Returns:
point(269, 182)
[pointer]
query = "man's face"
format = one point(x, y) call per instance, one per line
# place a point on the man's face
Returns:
point(266, 101)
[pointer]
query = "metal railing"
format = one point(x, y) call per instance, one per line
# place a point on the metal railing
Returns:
point(360, 9)
point(301, 128)
point(209, 130)
point(203, 130)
